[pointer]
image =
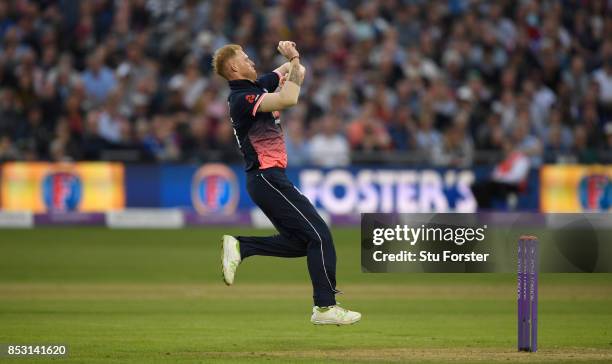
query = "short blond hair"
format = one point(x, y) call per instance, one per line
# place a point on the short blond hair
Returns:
point(222, 55)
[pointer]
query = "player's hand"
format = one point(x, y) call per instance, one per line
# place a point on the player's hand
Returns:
point(287, 49)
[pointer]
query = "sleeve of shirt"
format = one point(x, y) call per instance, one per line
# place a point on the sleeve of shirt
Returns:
point(247, 103)
point(269, 81)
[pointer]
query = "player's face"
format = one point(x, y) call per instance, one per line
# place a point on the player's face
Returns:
point(245, 66)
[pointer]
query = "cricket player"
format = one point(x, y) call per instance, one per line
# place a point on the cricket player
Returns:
point(254, 107)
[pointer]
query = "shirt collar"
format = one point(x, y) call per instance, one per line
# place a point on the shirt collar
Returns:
point(241, 84)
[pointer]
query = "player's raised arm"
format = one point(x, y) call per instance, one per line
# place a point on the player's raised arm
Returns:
point(283, 69)
point(290, 90)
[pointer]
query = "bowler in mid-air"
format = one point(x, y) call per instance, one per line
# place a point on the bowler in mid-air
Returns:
point(254, 108)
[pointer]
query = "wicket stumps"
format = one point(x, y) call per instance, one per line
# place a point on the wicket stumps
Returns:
point(527, 292)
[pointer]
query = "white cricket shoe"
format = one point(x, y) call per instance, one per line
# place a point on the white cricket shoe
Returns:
point(230, 258)
point(334, 315)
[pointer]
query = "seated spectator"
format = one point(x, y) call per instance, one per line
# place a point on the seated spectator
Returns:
point(162, 142)
point(419, 66)
point(557, 138)
point(591, 120)
point(603, 76)
point(555, 149)
point(401, 129)
point(10, 117)
point(8, 151)
point(366, 132)
point(64, 147)
point(34, 134)
point(490, 134)
point(329, 148)
point(526, 142)
point(584, 151)
point(555, 120)
point(136, 69)
point(296, 144)
point(506, 107)
point(28, 66)
point(456, 149)
point(427, 138)
point(576, 78)
point(196, 139)
point(340, 104)
point(25, 92)
point(224, 143)
point(109, 121)
point(63, 76)
point(190, 82)
point(99, 80)
point(74, 114)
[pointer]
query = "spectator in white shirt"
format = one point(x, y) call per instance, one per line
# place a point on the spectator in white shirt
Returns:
point(329, 148)
point(427, 138)
point(110, 123)
point(603, 77)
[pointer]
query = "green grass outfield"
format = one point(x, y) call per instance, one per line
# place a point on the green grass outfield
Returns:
point(152, 296)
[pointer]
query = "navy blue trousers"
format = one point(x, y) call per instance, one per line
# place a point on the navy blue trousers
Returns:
point(302, 232)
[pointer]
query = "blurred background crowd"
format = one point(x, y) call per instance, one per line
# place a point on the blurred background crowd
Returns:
point(444, 83)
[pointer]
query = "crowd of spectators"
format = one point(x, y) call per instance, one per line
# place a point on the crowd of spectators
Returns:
point(445, 81)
